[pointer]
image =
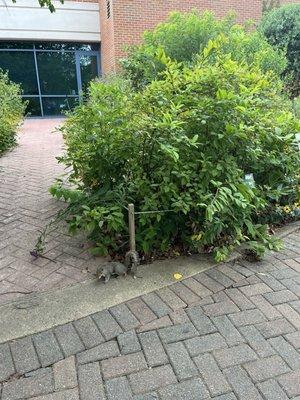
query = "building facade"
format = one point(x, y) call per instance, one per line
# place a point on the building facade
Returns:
point(54, 56)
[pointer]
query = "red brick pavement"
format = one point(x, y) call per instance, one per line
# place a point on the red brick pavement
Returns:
point(25, 208)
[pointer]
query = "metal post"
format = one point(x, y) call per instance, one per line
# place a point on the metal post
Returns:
point(131, 227)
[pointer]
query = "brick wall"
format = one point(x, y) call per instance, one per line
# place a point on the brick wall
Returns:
point(130, 18)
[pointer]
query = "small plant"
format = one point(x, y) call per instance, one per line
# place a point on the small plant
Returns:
point(187, 142)
point(12, 109)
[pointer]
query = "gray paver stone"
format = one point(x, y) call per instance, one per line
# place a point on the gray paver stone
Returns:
point(221, 308)
point(98, 353)
point(182, 363)
point(275, 328)
point(291, 383)
point(212, 375)
point(68, 339)
point(202, 323)
point(239, 299)
point(153, 349)
point(283, 296)
point(156, 324)
point(234, 355)
point(241, 383)
point(152, 379)
point(256, 340)
point(65, 376)
point(118, 388)
point(149, 396)
point(290, 314)
point(184, 293)
point(156, 304)
point(70, 394)
point(269, 311)
point(177, 332)
point(107, 325)
point(123, 365)
point(271, 390)
point(286, 351)
point(171, 299)
point(228, 330)
point(266, 368)
point(124, 317)
point(47, 348)
point(220, 277)
point(88, 332)
point(254, 290)
point(141, 311)
point(24, 355)
point(6, 363)
point(90, 382)
point(24, 388)
point(188, 390)
point(294, 339)
point(205, 344)
point(248, 317)
point(129, 342)
point(197, 287)
point(208, 282)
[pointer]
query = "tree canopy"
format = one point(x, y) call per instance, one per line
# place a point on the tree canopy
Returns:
point(46, 3)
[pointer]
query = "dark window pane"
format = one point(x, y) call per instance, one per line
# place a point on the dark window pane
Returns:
point(89, 70)
point(67, 46)
point(16, 45)
point(57, 73)
point(21, 69)
point(58, 105)
point(33, 108)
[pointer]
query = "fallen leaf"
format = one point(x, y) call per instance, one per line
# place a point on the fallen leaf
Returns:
point(177, 276)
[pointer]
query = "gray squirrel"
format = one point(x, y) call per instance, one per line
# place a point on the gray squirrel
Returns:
point(115, 268)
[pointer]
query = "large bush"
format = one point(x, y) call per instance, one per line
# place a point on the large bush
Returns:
point(11, 112)
point(183, 36)
point(185, 144)
point(281, 27)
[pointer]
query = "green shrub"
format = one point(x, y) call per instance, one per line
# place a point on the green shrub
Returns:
point(281, 27)
point(183, 36)
point(184, 144)
point(11, 112)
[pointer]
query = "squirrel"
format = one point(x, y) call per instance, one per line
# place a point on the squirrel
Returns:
point(115, 268)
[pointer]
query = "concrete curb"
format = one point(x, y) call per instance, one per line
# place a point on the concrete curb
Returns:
point(41, 311)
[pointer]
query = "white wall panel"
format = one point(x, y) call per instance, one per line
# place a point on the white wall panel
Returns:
point(25, 20)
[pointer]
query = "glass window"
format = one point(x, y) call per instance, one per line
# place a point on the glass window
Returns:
point(21, 69)
point(16, 45)
point(67, 46)
point(58, 105)
point(57, 73)
point(88, 69)
point(33, 108)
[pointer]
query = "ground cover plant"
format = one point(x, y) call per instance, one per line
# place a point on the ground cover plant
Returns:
point(11, 112)
point(281, 27)
point(212, 141)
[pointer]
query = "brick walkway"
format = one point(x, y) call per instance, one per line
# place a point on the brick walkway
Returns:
point(26, 174)
point(232, 332)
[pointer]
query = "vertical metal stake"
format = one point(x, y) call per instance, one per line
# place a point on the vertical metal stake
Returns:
point(131, 227)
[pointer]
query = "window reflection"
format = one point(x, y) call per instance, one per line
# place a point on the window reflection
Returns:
point(88, 69)
point(57, 73)
point(58, 105)
point(21, 69)
point(50, 74)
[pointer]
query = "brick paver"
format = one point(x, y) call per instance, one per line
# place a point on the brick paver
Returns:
point(212, 336)
point(26, 173)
